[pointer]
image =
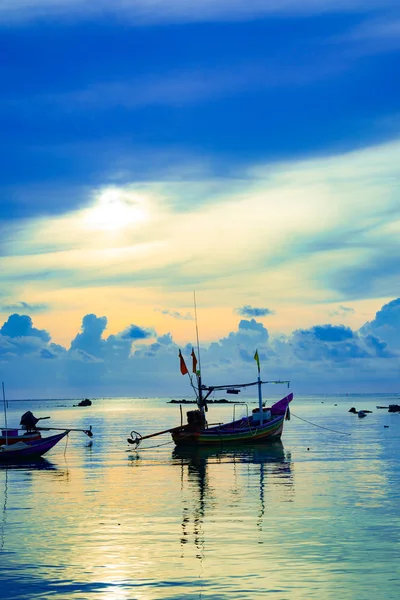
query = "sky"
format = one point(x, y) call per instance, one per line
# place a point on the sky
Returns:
point(247, 152)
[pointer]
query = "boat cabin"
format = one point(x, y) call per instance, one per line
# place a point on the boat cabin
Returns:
point(266, 413)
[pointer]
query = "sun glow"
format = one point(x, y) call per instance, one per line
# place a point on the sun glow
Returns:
point(116, 209)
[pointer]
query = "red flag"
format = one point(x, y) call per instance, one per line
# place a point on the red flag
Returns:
point(194, 361)
point(184, 370)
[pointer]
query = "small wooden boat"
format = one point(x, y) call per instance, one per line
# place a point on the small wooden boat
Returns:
point(29, 449)
point(264, 424)
point(29, 445)
point(29, 430)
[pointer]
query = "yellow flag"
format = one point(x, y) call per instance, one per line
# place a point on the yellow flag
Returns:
point(257, 360)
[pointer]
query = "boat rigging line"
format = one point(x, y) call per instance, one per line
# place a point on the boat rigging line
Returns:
point(197, 329)
point(241, 385)
point(320, 426)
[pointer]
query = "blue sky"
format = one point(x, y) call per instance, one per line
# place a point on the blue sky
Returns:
point(248, 151)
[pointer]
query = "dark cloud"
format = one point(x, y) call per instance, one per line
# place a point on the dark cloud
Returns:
point(21, 326)
point(306, 345)
point(332, 333)
point(330, 343)
point(252, 311)
point(133, 332)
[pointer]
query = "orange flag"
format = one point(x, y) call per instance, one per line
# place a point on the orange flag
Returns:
point(184, 370)
point(194, 361)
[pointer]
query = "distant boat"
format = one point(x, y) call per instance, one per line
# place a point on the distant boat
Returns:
point(85, 402)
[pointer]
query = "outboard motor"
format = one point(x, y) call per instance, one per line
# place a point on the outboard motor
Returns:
point(28, 421)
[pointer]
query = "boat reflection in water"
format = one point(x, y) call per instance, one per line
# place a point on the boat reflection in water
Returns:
point(238, 479)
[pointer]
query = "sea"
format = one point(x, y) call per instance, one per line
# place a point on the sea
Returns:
point(315, 516)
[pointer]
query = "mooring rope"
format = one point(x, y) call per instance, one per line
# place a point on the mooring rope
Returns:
point(320, 426)
point(66, 444)
point(149, 447)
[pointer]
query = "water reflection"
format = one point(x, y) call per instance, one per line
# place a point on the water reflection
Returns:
point(40, 464)
point(203, 485)
point(28, 471)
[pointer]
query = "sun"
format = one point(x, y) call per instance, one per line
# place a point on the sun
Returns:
point(115, 209)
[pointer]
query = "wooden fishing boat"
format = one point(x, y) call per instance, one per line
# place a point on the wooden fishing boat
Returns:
point(29, 449)
point(264, 424)
point(29, 430)
point(247, 429)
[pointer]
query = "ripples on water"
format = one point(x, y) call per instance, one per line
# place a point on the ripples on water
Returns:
point(313, 517)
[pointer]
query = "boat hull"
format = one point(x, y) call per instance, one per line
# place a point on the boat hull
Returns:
point(30, 450)
point(23, 437)
point(243, 431)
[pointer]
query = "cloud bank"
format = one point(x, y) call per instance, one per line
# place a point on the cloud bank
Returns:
point(137, 361)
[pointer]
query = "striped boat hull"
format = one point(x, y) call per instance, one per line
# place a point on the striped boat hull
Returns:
point(242, 431)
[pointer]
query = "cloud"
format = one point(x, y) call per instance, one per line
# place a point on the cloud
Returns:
point(374, 35)
point(18, 326)
point(165, 340)
point(33, 308)
point(331, 344)
point(250, 311)
point(342, 311)
point(176, 314)
point(325, 229)
point(144, 12)
point(133, 332)
point(90, 341)
point(180, 88)
point(332, 333)
point(47, 354)
point(323, 357)
point(386, 324)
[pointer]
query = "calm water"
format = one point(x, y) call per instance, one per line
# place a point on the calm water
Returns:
point(314, 517)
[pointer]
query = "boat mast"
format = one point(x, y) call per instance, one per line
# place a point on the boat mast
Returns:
point(5, 411)
point(260, 403)
point(201, 403)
